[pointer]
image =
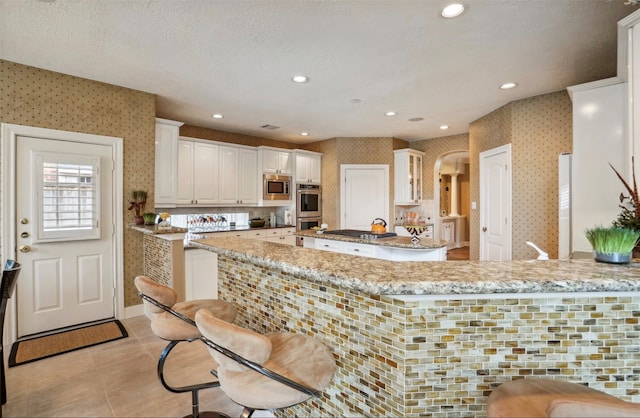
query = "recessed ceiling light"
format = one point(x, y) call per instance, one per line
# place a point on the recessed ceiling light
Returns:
point(300, 79)
point(217, 116)
point(509, 85)
point(415, 119)
point(443, 127)
point(452, 10)
point(390, 113)
point(304, 133)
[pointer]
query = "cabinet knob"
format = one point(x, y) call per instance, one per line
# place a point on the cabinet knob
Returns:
point(484, 229)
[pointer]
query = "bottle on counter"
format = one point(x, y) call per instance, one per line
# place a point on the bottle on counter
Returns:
point(272, 219)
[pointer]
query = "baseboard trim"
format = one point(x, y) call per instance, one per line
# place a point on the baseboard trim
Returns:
point(133, 311)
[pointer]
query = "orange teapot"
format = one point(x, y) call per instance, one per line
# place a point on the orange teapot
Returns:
point(378, 226)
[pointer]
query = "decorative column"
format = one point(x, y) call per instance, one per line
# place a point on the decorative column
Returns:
point(454, 195)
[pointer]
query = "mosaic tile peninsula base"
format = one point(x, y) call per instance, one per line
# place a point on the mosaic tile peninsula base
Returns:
point(433, 355)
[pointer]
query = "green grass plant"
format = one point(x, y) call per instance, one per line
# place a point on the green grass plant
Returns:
point(612, 240)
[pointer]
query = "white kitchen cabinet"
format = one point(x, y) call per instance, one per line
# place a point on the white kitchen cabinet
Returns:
point(275, 161)
point(166, 164)
point(198, 175)
point(308, 167)
point(408, 176)
point(452, 230)
point(238, 175)
point(376, 251)
point(363, 250)
point(326, 245)
point(448, 230)
point(259, 233)
point(288, 236)
point(280, 235)
point(201, 274)
point(233, 234)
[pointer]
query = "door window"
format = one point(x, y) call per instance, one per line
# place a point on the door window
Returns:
point(67, 196)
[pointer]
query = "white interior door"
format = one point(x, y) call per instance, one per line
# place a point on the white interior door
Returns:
point(495, 204)
point(364, 195)
point(65, 233)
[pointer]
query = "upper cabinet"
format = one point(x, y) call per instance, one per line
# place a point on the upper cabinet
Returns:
point(166, 170)
point(276, 161)
point(198, 175)
point(199, 172)
point(239, 175)
point(308, 167)
point(408, 176)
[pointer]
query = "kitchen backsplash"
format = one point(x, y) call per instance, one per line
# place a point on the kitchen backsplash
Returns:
point(209, 219)
point(425, 211)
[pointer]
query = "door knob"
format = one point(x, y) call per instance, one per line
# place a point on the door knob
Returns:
point(484, 229)
point(24, 248)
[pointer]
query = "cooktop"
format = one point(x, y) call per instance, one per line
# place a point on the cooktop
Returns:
point(357, 233)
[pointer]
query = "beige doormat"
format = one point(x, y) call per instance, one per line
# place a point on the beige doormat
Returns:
point(34, 349)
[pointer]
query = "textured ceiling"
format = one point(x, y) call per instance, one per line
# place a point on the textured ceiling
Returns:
point(237, 58)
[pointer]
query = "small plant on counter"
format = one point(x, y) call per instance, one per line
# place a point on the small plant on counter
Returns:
point(612, 245)
point(137, 204)
point(149, 218)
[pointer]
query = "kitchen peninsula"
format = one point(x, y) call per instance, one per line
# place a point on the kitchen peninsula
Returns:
point(433, 338)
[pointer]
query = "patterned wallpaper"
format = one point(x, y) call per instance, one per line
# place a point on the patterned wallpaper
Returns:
point(41, 98)
point(339, 151)
point(542, 130)
point(539, 129)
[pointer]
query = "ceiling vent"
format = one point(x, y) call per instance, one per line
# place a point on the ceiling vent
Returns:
point(272, 127)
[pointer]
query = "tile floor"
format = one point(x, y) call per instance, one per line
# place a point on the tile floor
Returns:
point(116, 379)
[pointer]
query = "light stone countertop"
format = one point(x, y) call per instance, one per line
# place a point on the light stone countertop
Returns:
point(153, 229)
point(397, 242)
point(431, 277)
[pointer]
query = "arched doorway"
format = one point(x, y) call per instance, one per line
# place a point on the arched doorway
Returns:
point(451, 193)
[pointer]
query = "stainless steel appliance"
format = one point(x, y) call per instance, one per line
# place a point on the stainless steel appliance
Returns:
point(303, 224)
point(308, 201)
point(276, 187)
point(308, 208)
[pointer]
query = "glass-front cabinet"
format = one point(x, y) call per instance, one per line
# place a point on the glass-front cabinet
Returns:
point(408, 176)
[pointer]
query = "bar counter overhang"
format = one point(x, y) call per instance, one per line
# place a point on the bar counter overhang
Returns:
point(433, 338)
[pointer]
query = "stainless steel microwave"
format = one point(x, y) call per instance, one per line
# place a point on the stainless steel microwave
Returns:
point(276, 187)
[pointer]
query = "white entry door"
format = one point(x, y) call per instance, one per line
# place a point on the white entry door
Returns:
point(65, 233)
point(364, 195)
point(495, 204)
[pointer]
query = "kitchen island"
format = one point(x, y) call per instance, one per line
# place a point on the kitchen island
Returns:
point(433, 338)
point(364, 244)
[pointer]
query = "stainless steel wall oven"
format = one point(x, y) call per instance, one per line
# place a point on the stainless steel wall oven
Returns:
point(308, 208)
point(308, 201)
